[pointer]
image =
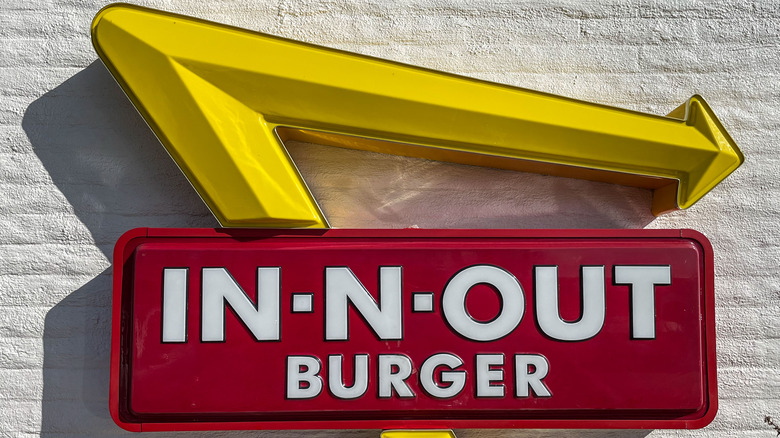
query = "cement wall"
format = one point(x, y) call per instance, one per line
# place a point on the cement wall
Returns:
point(78, 167)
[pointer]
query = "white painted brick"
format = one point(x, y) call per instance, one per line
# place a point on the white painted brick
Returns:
point(748, 383)
point(641, 31)
point(21, 322)
point(703, 59)
point(18, 81)
point(39, 24)
point(761, 353)
point(702, 9)
point(21, 384)
point(63, 229)
point(48, 258)
point(21, 353)
point(81, 417)
point(743, 415)
point(19, 417)
point(47, 290)
point(12, 109)
point(64, 384)
point(765, 322)
point(747, 291)
point(44, 52)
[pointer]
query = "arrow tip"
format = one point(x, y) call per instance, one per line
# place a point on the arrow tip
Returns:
point(703, 177)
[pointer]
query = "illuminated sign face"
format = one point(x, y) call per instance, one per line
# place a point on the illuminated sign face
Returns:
point(412, 328)
point(382, 329)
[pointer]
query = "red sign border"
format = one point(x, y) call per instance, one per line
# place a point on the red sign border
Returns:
point(130, 240)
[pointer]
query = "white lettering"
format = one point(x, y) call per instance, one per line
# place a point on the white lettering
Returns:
point(526, 377)
point(303, 380)
point(219, 288)
point(486, 375)
point(456, 379)
point(342, 287)
point(394, 369)
point(454, 303)
point(174, 320)
point(335, 380)
point(548, 310)
point(643, 280)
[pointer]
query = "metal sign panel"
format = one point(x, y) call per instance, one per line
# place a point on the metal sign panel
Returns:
point(301, 329)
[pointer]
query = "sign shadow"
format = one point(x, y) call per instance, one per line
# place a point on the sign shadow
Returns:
point(114, 175)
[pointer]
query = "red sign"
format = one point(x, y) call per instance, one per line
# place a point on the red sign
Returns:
point(286, 329)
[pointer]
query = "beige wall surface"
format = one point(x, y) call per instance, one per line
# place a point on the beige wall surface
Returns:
point(78, 167)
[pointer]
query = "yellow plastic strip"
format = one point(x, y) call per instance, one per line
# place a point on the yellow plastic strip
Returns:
point(220, 99)
point(418, 434)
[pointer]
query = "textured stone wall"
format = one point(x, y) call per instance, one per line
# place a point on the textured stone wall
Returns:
point(78, 167)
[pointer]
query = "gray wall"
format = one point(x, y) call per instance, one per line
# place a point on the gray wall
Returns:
point(78, 167)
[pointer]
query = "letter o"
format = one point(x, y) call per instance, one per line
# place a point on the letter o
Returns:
point(454, 303)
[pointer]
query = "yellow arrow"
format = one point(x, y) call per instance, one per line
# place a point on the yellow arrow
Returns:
point(222, 100)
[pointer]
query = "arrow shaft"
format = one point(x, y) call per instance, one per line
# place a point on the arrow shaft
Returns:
point(448, 111)
point(383, 100)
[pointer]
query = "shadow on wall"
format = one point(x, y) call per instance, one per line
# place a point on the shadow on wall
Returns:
point(106, 161)
point(116, 176)
point(102, 157)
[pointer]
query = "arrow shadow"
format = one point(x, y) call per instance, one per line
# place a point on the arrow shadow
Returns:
point(115, 176)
